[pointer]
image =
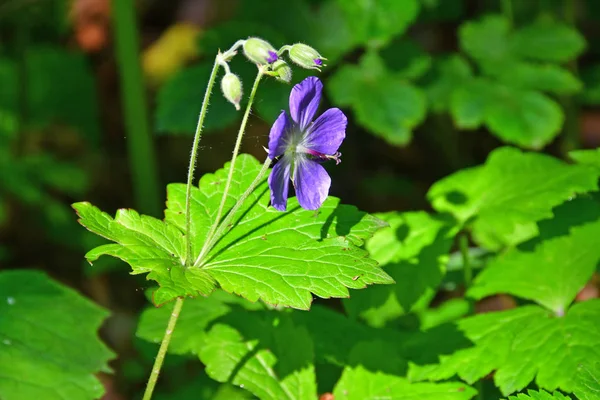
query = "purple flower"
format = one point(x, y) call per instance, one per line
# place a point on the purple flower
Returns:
point(303, 145)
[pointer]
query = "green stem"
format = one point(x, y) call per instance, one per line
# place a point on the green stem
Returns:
point(193, 156)
point(162, 351)
point(236, 150)
point(140, 147)
point(223, 226)
point(507, 10)
point(463, 242)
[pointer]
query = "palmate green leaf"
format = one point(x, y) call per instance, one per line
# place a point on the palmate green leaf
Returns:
point(49, 346)
point(486, 39)
point(524, 344)
point(377, 22)
point(148, 245)
point(545, 77)
point(363, 379)
point(278, 257)
point(386, 104)
point(255, 353)
point(547, 40)
point(551, 275)
point(452, 73)
point(414, 251)
point(512, 190)
point(539, 395)
point(523, 117)
point(587, 382)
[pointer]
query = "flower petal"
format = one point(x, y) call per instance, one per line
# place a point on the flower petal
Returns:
point(279, 183)
point(312, 184)
point(304, 101)
point(328, 132)
point(277, 137)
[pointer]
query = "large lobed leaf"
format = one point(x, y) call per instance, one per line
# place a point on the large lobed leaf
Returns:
point(278, 257)
point(414, 251)
point(49, 346)
point(551, 275)
point(521, 345)
point(384, 102)
point(363, 379)
point(505, 197)
point(516, 67)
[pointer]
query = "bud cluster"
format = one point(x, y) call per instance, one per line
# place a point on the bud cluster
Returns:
point(265, 56)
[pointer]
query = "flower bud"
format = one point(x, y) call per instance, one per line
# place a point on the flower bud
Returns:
point(259, 51)
point(282, 71)
point(305, 56)
point(232, 89)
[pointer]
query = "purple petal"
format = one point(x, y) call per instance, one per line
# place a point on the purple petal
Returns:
point(279, 183)
point(312, 184)
point(272, 57)
point(304, 100)
point(277, 137)
point(328, 132)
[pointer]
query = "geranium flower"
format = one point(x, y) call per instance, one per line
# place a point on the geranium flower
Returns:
point(303, 145)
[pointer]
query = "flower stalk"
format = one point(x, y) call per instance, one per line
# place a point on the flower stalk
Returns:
point(193, 157)
point(236, 149)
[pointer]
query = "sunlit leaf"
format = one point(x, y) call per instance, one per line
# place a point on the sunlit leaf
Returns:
point(522, 345)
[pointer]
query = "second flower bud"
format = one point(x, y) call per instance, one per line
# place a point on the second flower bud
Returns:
point(232, 89)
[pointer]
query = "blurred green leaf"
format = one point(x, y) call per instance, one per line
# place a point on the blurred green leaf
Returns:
point(526, 118)
point(545, 77)
point(521, 345)
point(452, 73)
point(406, 59)
point(486, 40)
point(385, 104)
point(547, 40)
point(49, 340)
point(556, 280)
point(511, 191)
point(375, 23)
point(363, 379)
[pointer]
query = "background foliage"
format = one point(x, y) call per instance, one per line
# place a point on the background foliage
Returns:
point(472, 133)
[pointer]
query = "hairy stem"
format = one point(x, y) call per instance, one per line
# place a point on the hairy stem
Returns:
point(236, 150)
point(140, 146)
point(162, 351)
point(227, 220)
point(193, 156)
point(463, 242)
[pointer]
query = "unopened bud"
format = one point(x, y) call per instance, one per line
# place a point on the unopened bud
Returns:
point(282, 71)
point(259, 51)
point(232, 89)
point(306, 57)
